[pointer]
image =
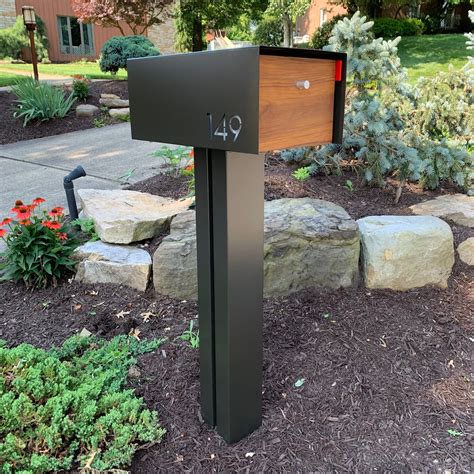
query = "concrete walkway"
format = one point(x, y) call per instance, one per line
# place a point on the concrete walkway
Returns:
point(35, 168)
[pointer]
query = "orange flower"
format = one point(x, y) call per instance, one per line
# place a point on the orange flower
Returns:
point(2, 233)
point(25, 222)
point(56, 212)
point(22, 211)
point(55, 225)
point(6, 221)
point(189, 167)
point(38, 201)
point(191, 153)
point(62, 236)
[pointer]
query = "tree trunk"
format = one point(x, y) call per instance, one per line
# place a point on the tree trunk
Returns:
point(287, 36)
point(198, 44)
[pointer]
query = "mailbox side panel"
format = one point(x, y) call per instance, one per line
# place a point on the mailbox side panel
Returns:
point(205, 99)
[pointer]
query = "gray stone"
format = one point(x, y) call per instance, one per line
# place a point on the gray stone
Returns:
point(122, 114)
point(123, 217)
point(86, 110)
point(466, 251)
point(308, 243)
point(119, 264)
point(113, 102)
point(458, 208)
point(404, 252)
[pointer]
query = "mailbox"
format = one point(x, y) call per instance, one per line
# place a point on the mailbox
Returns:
point(232, 105)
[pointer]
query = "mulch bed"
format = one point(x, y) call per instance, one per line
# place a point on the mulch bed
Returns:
point(386, 373)
point(12, 129)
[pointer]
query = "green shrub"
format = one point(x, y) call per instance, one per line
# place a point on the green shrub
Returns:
point(321, 36)
point(80, 87)
point(391, 28)
point(269, 32)
point(68, 406)
point(40, 101)
point(13, 39)
point(39, 245)
point(118, 49)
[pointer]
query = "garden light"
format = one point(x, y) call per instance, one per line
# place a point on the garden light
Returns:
point(77, 172)
point(29, 19)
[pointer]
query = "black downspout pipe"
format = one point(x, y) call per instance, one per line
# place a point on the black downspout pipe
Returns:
point(77, 172)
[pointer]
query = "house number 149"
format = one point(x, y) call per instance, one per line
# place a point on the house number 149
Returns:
point(232, 126)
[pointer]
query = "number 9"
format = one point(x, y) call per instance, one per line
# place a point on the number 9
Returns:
point(235, 131)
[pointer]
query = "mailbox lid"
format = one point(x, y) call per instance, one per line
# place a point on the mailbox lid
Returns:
point(203, 99)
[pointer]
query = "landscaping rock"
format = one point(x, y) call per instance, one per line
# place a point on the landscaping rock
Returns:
point(308, 243)
point(466, 251)
point(123, 217)
point(105, 263)
point(113, 101)
point(458, 208)
point(404, 252)
point(121, 114)
point(86, 110)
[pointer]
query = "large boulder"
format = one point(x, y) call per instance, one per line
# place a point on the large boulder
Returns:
point(122, 217)
point(466, 251)
point(404, 252)
point(308, 243)
point(86, 110)
point(113, 101)
point(458, 208)
point(119, 264)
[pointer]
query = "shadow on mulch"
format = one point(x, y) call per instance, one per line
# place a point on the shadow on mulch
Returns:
point(12, 129)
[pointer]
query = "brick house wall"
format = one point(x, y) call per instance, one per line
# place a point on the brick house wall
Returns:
point(162, 36)
point(318, 13)
point(7, 13)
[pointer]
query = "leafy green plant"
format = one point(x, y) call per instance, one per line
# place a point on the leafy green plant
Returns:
point(177, 160)
point(269, 32)
point(87, 226)
point(118, 49)
point(39, 245)
point(98, 122)
point(80, 87)
point(391, 27)
point(302, 174)
point(454, 433)
point(40, 101)
point(68, 405)
point(299, 383)
point(349, 185)
point(191, 336)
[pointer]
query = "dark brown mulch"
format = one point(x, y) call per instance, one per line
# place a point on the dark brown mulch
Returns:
point(12, 129)
point(386, 375)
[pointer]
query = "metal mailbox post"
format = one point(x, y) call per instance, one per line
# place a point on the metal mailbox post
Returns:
point(232, 105)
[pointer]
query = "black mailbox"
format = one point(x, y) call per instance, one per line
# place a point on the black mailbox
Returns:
point(232, 105)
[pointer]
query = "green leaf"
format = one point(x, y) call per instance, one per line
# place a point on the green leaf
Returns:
point(299, 383)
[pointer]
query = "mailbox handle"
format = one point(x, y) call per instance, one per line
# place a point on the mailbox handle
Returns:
point(303, 84)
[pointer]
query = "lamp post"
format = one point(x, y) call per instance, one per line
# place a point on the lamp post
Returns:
point(29, 19)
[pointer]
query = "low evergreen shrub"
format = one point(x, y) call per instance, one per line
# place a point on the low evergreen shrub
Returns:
point(14, 38)
point(321, 36)
point(391, 28)
point(269, 32)
point(118, 49)
point(67, 407)
point(39, 245)
point(40, 101)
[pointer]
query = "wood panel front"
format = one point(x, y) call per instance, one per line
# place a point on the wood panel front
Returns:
point(290, 116)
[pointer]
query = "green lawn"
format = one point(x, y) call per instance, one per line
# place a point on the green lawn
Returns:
point(429, 54)
point(8, 78)
point(90, 70)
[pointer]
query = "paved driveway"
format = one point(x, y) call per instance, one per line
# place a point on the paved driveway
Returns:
point(37, 167)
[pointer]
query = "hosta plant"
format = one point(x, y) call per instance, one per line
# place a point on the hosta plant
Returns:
point(68, 408)
point(39, 245)
point(40, 101)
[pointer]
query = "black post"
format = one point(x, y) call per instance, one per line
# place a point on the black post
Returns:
point(229, 215)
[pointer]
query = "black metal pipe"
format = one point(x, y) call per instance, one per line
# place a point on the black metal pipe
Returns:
point(77, 172)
